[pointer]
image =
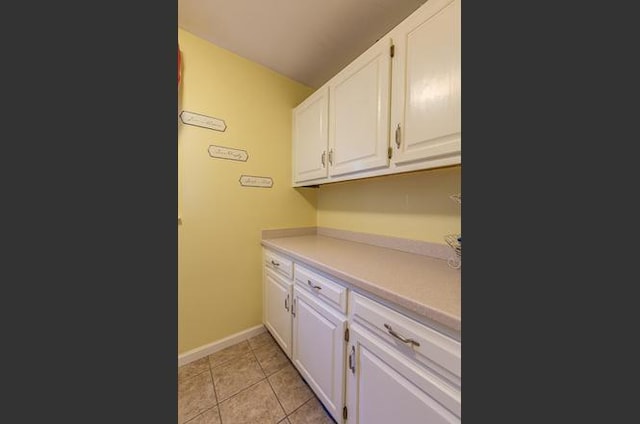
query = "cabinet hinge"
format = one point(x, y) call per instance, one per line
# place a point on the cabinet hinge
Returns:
point(344, 412)
point(390, 152)
point(392, 50)
point(346, 334)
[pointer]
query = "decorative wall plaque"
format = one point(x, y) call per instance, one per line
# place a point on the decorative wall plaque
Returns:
point(203, 121)
point(228, 153)
point(253, 181)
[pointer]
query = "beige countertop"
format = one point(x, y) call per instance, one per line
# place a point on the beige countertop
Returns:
point(424, 285)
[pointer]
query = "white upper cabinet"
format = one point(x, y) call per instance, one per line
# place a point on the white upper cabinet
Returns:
point(425, 117)
point(343, 128)
point(310, 138)
point(359, 113)
point(387, 113)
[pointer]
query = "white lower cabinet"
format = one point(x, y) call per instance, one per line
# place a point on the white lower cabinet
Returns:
point(399, 370)
point(277, 308)
point(319, 349)
point(383, 387)
point(366, 362)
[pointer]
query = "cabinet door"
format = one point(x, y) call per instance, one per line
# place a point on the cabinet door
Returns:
point(277, 309)
point(359, 112)
point(383, 387)
point(318, 350)
point(310, 137)
point(426, 86)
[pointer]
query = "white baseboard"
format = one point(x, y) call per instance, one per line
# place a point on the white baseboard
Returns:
point(208, 349)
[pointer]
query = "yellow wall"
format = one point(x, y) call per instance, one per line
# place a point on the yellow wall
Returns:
point(220, 275)
point(415, 205)
point(219, 272)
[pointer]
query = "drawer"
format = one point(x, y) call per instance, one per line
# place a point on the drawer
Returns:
point(412, 339)
point(278, 263)
point(321, 287)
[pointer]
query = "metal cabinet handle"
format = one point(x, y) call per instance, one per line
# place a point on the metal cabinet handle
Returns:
point(398, 136)
point(331, 157)
point(313, 286)
point(324, 155)
point(293, 307)
point(399, 337)
point(274, 263)
point(286, 303)
point(352, 360)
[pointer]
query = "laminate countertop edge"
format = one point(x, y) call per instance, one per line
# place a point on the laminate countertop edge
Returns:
point(412, 296)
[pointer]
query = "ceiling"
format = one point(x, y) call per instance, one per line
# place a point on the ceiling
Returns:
point(309, 41)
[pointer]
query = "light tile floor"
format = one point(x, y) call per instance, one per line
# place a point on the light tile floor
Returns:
point(252, 382)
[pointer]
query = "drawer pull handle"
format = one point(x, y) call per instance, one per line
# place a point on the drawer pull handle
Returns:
point(399, 337)
point(313, 286)
point(293, 307)
point(274, 263)
point(286, 303)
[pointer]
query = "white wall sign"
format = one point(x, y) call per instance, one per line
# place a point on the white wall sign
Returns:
point(253, 181)
point(203, 121)
point(228, 153)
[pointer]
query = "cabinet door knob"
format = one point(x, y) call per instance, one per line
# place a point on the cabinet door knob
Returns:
point(324, 155)
point(331, 157)
point(352, 360)
point(398, 136)
point(293, 307)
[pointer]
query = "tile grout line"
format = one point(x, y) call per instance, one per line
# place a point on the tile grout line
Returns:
point(189, 378)
point(228, 360)
point(303, 404)
point(217, 398)
point(253, 350)
point(218, 401)
point(313, 395)
point(245, 388)
point(309, 400)
point(215, 392)
point(202, 413)
point(271, 387)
